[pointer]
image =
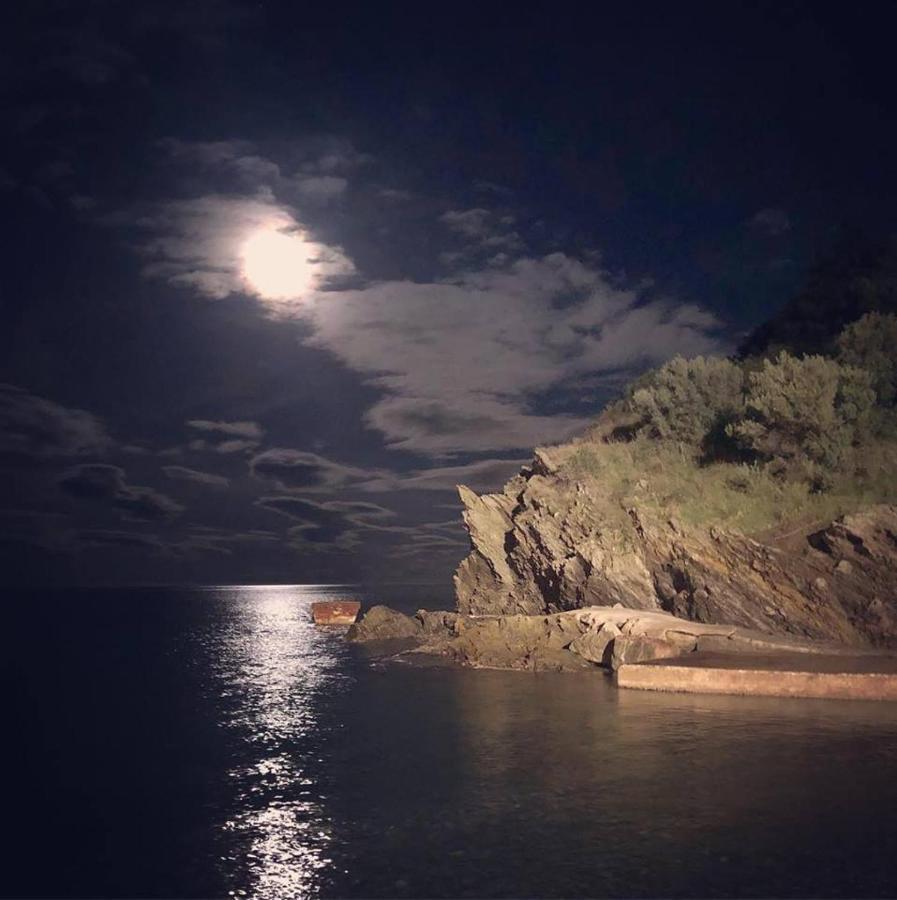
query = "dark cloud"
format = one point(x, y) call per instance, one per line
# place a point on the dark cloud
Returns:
point(235, 445)
point(96, 481)
point(334, 523)
point(32, 427)
point(206, 539)
point(295, 508)
point(315, 522)
point(15, 541)
point(106, 483)
point(483, 232)
point(223, 437)
point(321, 189)
point(359, 511)
point(771, 221)
point(302, 469)
point(102, 539)
point(87, 57)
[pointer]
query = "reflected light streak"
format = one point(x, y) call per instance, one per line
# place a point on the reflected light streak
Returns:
point(272, 664)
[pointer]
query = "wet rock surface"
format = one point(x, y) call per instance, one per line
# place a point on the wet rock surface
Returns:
point(595, 638)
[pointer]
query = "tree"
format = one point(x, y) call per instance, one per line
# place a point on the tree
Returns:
point(685, 400)
point(870, 343)
point(803, 415)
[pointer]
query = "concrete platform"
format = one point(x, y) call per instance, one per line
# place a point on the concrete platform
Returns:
point(781, 675)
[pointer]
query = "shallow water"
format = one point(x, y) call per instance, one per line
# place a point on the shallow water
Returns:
point(212, 742)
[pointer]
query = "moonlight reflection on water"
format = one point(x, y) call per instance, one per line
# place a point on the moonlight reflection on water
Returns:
point(273, 667)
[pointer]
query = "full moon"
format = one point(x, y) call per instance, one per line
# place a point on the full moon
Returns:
point(276, 265)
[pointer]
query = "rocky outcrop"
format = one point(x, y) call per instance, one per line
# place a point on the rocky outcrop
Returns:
point(544, 545)
point(380, 623)
point(577, 640)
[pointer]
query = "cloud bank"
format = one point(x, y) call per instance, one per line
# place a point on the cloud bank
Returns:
point(462, 363)
point(494, 358)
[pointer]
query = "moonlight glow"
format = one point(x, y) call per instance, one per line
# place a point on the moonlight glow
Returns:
point(276, 265)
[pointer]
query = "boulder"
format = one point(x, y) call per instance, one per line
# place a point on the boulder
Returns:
point(596, 646)
point(380, 623)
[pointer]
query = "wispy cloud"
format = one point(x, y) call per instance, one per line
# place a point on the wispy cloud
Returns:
point(101, 483)
point(33, 427)
point(207, 479)
point(291, 469)
point(232, 429)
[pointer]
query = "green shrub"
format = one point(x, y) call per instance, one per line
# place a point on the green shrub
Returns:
point(804, 415)
point(688, 399)
point(870, 343)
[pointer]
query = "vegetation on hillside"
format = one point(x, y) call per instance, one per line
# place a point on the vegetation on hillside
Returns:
point(755, 443)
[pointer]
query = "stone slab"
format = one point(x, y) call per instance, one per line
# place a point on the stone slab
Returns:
point(784, 675)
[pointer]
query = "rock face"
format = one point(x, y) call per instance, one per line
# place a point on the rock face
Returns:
point(576, 640)
point(541, 547)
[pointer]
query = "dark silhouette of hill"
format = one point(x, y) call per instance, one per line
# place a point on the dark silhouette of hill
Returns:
point(857, 276)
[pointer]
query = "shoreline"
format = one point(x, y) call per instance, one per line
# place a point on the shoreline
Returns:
point(640, 649)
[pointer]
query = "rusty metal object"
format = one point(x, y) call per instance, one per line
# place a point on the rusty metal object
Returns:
point(335, 612)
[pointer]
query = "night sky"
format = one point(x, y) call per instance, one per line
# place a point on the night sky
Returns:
point(277, 276)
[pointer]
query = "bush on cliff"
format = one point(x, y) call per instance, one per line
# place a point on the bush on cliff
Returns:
point(870, 343)
point(805, 415)
point(687, 400)
point(800, 417)
point(756, 444)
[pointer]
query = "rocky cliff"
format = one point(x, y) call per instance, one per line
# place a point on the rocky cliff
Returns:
point(553, 541)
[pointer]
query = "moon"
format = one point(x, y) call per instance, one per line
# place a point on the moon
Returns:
point(276, 264)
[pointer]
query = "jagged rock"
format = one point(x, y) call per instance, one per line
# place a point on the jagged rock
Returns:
point(541, 547)
point(439, 622)
point(380, 623)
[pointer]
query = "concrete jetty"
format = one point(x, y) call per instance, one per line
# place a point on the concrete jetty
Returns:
point(821, 676)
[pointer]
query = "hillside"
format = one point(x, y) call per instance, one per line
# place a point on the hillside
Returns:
point(758, 493)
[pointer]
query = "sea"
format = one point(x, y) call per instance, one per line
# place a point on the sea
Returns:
point(212, 742)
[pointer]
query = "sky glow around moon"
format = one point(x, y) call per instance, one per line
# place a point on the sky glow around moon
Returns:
point(276, 266)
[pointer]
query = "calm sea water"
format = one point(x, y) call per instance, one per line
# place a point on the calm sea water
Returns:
point(213, 743)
